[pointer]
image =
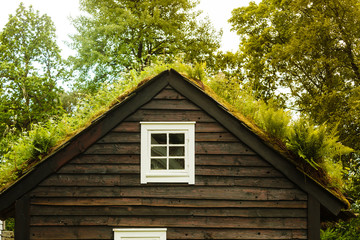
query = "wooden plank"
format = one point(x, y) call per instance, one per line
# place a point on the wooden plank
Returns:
point(103, 148)
point(182, 192)
point(313, 218)
point(133, 180)
point(73, 233)
point(115, 137)
point(169, 94)
point(127, 127)
point(106, 233)
point(237, 171)
point(22, 218)
point(170, 202)
point(209, 127)
point(169, 115)
point(222, 148)
point(37, 210)
point(230, 160)
point(215, 137)
point(170, 105)
point(84, 180)
point(169, 221)
point(264, 182)
point(107, 159)
point(100, 168)
point(184, 233)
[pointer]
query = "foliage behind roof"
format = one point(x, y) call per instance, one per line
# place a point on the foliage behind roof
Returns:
point(46, 138)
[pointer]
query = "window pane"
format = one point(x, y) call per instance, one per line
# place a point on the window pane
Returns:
point(158, 138)
point(158, 163)
point(176, 163)
point(176, 151)
point(177, 138)
point(158, 151)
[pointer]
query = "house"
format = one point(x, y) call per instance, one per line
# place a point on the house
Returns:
point(168, 162)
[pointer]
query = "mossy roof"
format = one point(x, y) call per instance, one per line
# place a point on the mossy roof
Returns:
point(317, 175)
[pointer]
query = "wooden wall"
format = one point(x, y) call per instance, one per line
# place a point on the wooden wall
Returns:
point(237, 195)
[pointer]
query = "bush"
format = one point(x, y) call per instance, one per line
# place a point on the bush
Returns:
point(349, 230)
point(10, 224)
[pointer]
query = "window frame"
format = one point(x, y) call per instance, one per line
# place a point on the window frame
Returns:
point(186, 175)
point(134, 233)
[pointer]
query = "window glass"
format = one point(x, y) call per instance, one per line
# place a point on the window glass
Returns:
point(176, 151)
point(157, 138)
point(158, 151)
point(176, 163)
point(177, 138)
point(158, 164)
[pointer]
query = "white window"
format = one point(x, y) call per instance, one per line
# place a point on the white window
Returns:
point(140, 234)
point(168, 152)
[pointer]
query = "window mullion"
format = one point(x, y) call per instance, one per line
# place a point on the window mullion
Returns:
point(167, 150)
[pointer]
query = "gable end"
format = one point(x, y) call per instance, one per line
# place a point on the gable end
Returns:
point(142, 95)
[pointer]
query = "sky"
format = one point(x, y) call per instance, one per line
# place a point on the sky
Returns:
point(219, 11)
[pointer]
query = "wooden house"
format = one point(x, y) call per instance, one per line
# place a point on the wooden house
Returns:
point(168, 162)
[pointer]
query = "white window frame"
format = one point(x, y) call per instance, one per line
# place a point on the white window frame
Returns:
point(139, 233)
point(167, 176)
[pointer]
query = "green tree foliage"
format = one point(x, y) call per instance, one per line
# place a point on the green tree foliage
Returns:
point(310, 48)
point(30, 66)
point(228, 63)
point(117, 36)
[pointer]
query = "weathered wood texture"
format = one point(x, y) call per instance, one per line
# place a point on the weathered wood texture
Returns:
point(237, 195)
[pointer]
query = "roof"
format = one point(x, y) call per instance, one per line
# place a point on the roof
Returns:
point(199, 94)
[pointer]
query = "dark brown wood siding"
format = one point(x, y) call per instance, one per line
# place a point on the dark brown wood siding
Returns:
point(237, 195)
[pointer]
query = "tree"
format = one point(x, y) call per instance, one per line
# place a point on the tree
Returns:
point(310, 48)
point(30, 66)
point(116, 36)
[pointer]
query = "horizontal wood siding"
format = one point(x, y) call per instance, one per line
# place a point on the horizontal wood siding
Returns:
point(237, 195)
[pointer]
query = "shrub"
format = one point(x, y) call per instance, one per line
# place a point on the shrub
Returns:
point(343, 230)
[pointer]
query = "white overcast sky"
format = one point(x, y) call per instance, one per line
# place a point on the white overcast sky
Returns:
point(219, 11)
